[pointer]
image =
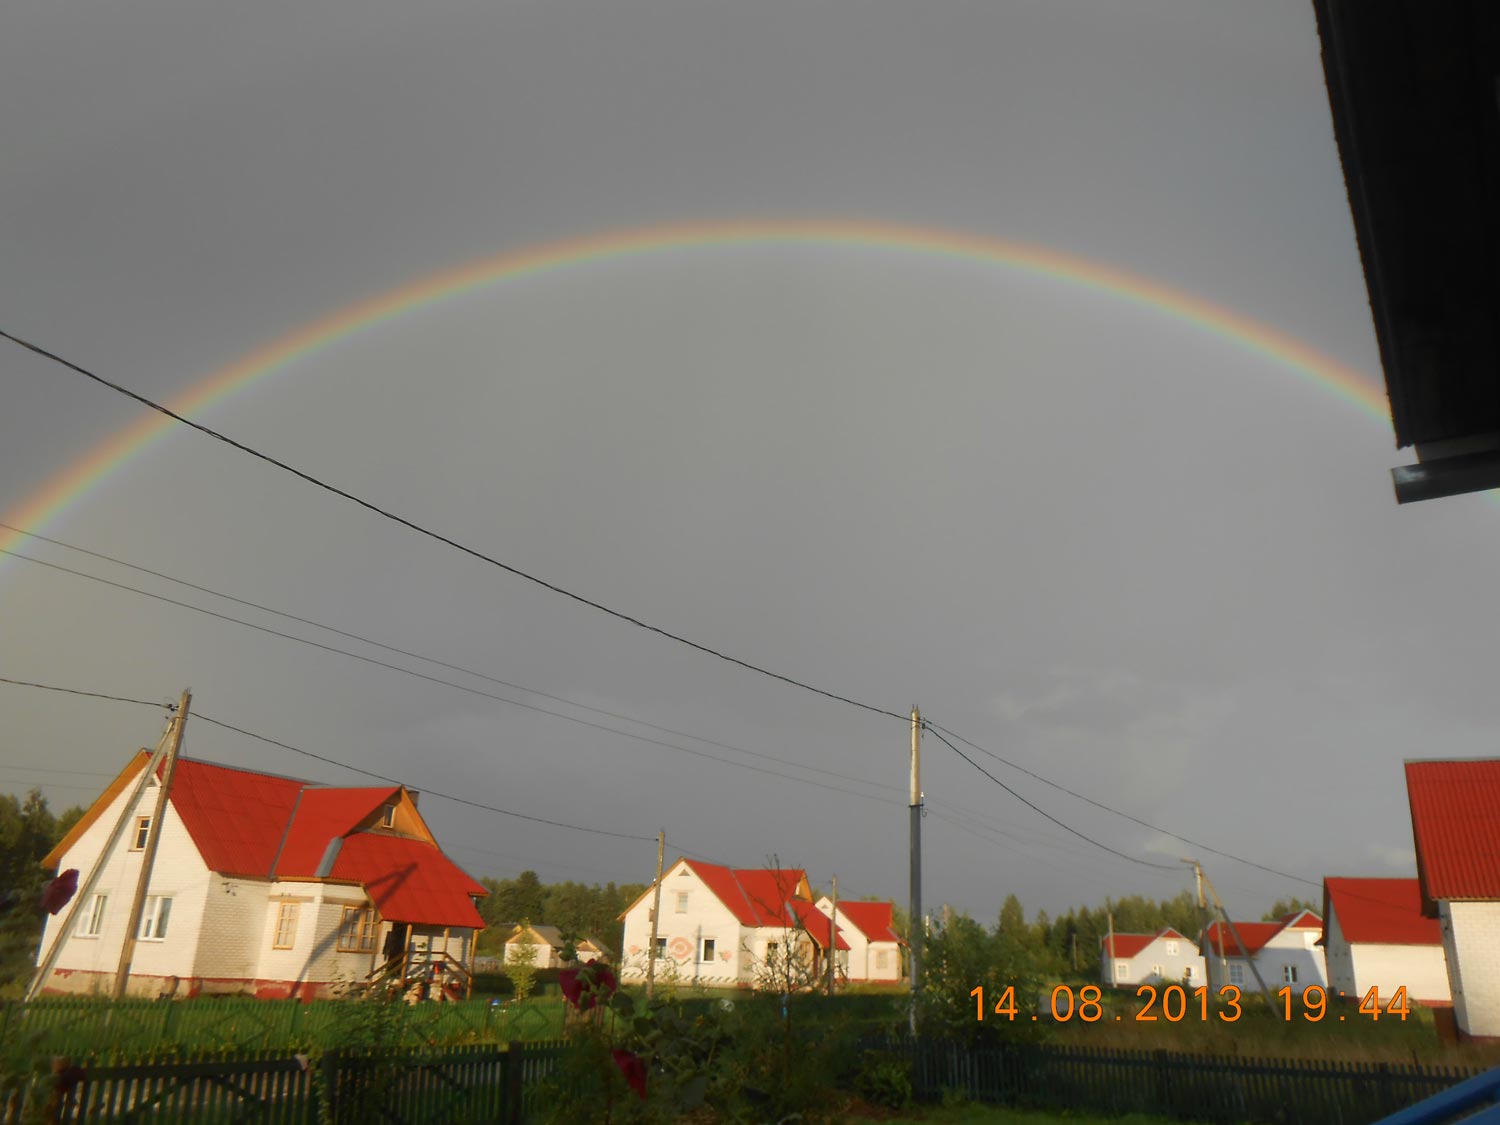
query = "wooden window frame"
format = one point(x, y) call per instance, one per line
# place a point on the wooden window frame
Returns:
point(142, 834)
point(287, 916)
point(706, 950)
point(94, 924)
point(362, 932)
point(682, 902)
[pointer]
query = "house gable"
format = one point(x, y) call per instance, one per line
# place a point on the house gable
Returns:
point(1455, 820)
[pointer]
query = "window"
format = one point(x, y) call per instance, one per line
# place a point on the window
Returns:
point(388, 817)
point(154, 917)
point(882, 958)
point(286, 926)
point(661, 948)
point(1171, 949)
point(1236, 973)
point(142, 831)
point(1289, 974)
point(93, 924)
point(1122, 970)
point(682, 902)
point(1156, 971)
point(357, 930)
point(1187, 973)
point(708, 949)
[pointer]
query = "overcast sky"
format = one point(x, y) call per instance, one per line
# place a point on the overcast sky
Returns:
point(1129, 554)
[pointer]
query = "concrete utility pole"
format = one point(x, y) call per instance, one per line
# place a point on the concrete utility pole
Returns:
point(153, 840)
point(1203, 912)
point(833, 935)
point(915, 925)
point(661, 854)
point(50, 960)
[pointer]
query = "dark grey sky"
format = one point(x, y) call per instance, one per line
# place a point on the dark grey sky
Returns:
point(1128, 553)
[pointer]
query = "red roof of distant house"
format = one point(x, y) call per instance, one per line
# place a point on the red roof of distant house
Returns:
point(1129, 945)
point(410, 880)
point(240, 820)
point(815, 922)
point(756, 897)
point(873, 919)
point(1380, 911)
point(1455, 821)
point(1300, 920)
point(1256, 934)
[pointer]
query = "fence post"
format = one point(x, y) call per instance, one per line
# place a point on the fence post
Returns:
point(513, 1075)
point(169, 1018)
point(330, 1092)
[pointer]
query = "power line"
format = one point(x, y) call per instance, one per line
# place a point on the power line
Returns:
point(436, 679)
point(470, 551)
point(90, 694)
point(1041, 812)
point(420, 656)
point(935, 728)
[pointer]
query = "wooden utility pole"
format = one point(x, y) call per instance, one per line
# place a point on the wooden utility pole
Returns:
point(50, 960)
point(1245, 949)
point(915, 925)
point(1109, 944)
point(833, 936)
point(661, 855)
point(153, 840)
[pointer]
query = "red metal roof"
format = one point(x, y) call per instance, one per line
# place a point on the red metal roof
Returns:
point(1380, 911)
point(323, 815)
point(1256, 934)
point(410, 880)
point(873, 919)
point(1455, 821)
point(235, 817)
point(815, 922)
point(756, 897)
point(1126, 945)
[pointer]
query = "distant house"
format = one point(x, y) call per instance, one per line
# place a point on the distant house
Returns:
point(262, 884)
point(1455, 820)
point(1285, 951)
point(728, 927)
point(1130, 960)
point(549, 945)
point(874, 947)
point(1375, 936)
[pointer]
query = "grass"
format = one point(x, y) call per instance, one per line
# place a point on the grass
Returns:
point(993, 1115)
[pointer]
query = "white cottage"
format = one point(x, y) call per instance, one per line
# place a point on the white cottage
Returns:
point(728, 927)
point(262, 885)
point(1374, 936)
point(874, 947)
point(1131, 960)
point(1285, 951)
point(1455, 820)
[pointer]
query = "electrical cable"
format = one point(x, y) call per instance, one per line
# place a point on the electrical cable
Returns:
point(470, 551)
point(90, 694)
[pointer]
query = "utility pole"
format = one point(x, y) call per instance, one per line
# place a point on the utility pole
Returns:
point(1203, 913)
point(833, 935)
point(47, 962)
point(1245, 949)
point(1109, 945)
point(661, 853)
point(915, 925)
point(153, 840)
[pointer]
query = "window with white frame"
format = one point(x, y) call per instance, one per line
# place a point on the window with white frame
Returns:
point(388, 817)
point(1289, 974)
point(661, 948)
point(93, 924)
point(1236, 973)
point(286, 926)
point(882, 958)
point(707, 953)
point(142, 833)
point(1122, 970)
point(682, 902)
point(154, 917)
point(1157, 971)
point(1187, 972)
point(1171, 949)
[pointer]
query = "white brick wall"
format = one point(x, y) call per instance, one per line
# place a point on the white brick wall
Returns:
point(1353, 970)
point(228, 939)
point(1471, 936)
point(705, 917)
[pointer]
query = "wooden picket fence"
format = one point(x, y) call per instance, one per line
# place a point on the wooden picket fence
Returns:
point(474, 1085)
point(1185, 1086)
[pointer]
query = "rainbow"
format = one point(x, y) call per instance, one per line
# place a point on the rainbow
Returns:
point(56, 495)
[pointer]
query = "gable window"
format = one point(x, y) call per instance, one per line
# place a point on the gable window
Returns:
point(1236, 973)
point(1289, 974)
point(93, 925)
point(682, 902)
point(388, 816)
point(708, 949)
point(1122, 970)
point(661, 948)
point(142, 832)
point(154, 917)
point(1171, 949)
point(286, 926)
point(357, 930)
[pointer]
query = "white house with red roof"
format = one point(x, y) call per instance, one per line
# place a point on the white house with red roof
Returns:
point(263, 885)
point(1455, 822)
point(1129, 960)
point(727, 927)
point(874, 946)
point(1374, 936)
point(1285, 951)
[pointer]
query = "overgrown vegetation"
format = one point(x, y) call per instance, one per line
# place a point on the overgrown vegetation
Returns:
point(28, 831)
